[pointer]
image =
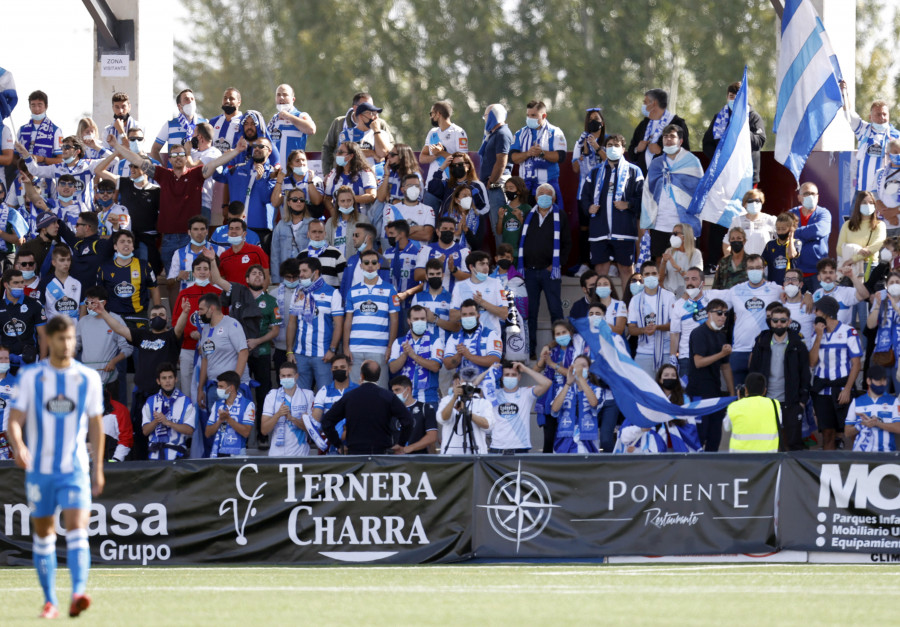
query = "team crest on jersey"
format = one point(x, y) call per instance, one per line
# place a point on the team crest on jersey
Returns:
point(124, 290)
point(262, 304)
point(507, 409)
point(368, 307)
point(275, 134)
point(755, 304)
point(65, 305)
point(24, 307)
point(245, 259)
point(14, 328)
point(59, 405)
point(135, 274)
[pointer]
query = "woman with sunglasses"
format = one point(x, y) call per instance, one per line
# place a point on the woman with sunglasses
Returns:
point(289, 238)
point(297, 175)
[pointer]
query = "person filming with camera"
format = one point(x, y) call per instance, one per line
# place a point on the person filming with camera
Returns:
point(465, 416)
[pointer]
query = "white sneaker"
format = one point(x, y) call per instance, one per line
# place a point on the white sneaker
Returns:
point(613, 271)
point(581, 271)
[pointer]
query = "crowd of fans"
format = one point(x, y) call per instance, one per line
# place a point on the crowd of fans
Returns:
point(424, 274)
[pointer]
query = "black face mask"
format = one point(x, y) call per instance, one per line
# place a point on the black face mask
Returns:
point(446, 237)
point(504, 264)
point(737, 247)
point(257, 159)
point(205, 319)
point(229, 109)
point(782, 238)
point(458, 170)
point(435, 282)
point(157, 323)
point(510, 195)
point(195, 142)
point(669, 384)
point(435, 122)
point(339, 375)
point(778, 331)
point(593, 126)
point(392, 241)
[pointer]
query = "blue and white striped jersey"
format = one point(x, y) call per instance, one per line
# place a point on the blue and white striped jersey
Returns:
point(314, 337)
point(57, 405)
point(873, 439)
point(870, 152)
point(549, 138)
point(177, 408)
point(174, 133)
point(227, 133)
point(285, 136)
point(83, 171)
point(371, 306)
point(835, 352)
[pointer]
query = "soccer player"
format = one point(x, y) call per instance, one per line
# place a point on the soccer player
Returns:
point(60, 395)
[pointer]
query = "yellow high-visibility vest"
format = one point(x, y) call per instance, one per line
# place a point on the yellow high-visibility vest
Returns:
point(754, 424)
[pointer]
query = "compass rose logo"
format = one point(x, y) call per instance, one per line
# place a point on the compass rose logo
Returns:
point(519, 506)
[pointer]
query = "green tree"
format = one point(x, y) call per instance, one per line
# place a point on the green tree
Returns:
point(877, 31)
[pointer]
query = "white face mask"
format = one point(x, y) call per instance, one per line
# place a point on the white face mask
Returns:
point(867, 209)
point(282, 107)
point(188, 110)
point(886, 255)
point(676, 241)
point(754, 207)
point(413, 192)
point(791, 290)
point(692, 292)
point(894, 289)
point(466, 203)
point(671, 150)
point(88, 137)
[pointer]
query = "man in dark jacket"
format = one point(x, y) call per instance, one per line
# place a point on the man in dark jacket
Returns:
point(646, 143)
point(719, 123)
point(781, 356)
point(89, 251)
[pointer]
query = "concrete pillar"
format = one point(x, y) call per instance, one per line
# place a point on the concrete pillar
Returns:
point(150, 79)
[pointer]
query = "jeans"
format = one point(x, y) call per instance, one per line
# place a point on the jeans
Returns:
point(608, 416)
point(647, 363)
point(186, 372)
point(311, 369)
point(740, 362)
point(710, 430)
point(497, 199)
point(170, 243)
point(537, 281)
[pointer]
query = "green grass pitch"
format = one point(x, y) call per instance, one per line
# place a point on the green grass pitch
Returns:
point(471, 595)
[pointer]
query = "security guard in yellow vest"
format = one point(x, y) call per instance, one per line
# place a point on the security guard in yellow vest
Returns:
point(751, 425)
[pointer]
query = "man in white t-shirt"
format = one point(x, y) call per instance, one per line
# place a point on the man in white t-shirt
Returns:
point(648, 318)
point(847, 297)
point(802, 317)
point(484, 290)
point(419, 215)
point(455, 438)
point(201, 150)
point(444, 139)
point(511, 433)
point(282, 415)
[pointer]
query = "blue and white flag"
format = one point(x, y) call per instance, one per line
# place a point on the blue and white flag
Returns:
point(730, 173)
point(8, 96)
point(809, 96)
point(637, 395)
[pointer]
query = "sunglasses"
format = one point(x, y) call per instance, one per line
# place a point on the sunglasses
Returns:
point(104, 192)
point(719, 312)
point(135, 139)
point(369, 263)
point(28, 264)
point(68, 147)
point(296, 199)
point(393, 154)
point(173, 155)
point(780, 320)
point(259, 146)
point(65, 184)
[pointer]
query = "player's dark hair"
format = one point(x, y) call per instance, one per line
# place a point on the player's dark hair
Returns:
point(57, 324)
point(229, 377)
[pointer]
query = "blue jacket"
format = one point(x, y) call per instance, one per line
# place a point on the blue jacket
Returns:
point(814, 237)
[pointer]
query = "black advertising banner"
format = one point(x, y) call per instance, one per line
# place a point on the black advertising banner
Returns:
point(582, 507)
point(847, 502)
point(318, 510)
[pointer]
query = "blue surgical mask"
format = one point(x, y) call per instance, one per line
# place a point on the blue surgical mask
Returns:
point(730, 104)
point(222, 394)
point(304, 282)
point(235, 240)
point(92, 313)
point(17, 292)
point(288, 384)
point(644, 111)
point(69, 160)
point(201, 282)
point(511, 383)
point(38, 117)
point(894, 159)
point(810, 201)
point(532, 123)
point(651, 282)
point(124, 257)
point(340, 160)
point(402, 397)
point(135, 146)
point(469, 322)
point(65, 198)
point(27, 274)
point(826, 285)
point(879, 128)
point(614, 153)
point(300, 171)
point(346, 210)
point(481, 276)
point(139, 179)
point(4, 367)
point(318, 244)
point(585, 372)
point(196, 243)
point(754, 207)
point(563, 340)
point(671, 150)
point(603, 291)
point(370, 276)
point(595, 321)
point(755, 276)
point(636, 288)
point(363, 246)
point(545, 201)
point(419, 326)
point(291, 284)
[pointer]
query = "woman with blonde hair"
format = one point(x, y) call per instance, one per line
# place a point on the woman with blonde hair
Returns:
point(681, 257)
point(759, 227)
point(88, 132)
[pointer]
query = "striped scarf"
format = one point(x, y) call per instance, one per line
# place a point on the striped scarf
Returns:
point(721, 122)
point(308, 302)
point(622, 171)
point(655, 127)
point(554, 273)
point(417, 374)
point(187, 125)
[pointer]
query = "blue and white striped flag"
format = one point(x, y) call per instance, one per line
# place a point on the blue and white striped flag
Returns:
point(8, 96)
point(809, 96)
point(730, 173)
point(637, 395)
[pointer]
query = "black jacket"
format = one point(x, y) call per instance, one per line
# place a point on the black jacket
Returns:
point(624, 222)
point(538, 244)
point(636, 157)
point(796, 365)
point(757, 140)
point(370, 412)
